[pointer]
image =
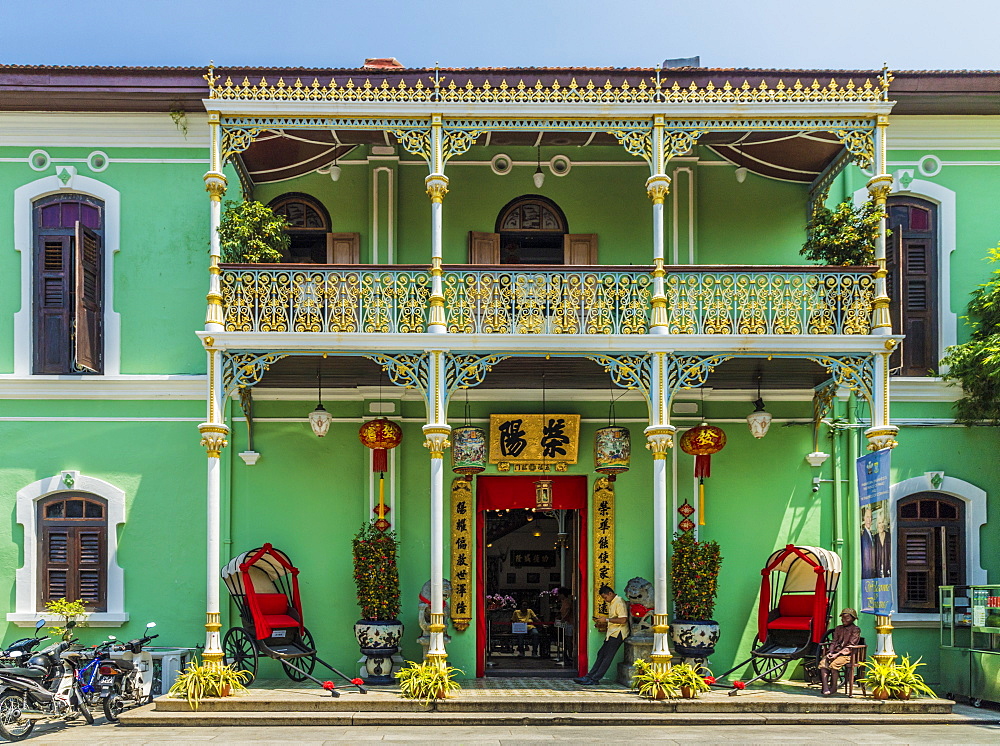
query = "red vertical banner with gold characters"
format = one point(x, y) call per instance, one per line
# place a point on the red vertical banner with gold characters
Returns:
point(603, 512)
point(462, 514)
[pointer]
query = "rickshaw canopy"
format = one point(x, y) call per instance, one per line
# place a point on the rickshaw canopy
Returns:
point(258, 581)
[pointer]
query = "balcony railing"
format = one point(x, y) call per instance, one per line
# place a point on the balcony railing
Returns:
point(585, 300)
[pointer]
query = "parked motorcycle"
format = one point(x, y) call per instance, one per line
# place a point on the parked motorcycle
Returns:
point(45, 688)
point(127, 678)
point(21, 649)
point(88, 670)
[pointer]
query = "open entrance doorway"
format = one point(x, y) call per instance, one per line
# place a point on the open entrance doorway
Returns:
point(531, 568)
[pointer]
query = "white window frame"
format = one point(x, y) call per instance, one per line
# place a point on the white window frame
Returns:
point(24, 202)
point(974, 500)
point(26, 577)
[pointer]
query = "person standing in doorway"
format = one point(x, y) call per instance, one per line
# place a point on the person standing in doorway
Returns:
point(617, 631)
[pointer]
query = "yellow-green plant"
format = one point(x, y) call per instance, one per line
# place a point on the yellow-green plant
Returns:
point(844, 235)
point(427, 681)
point(897, 679)
point(251, 232)
point(200, 680)
point(654, 683)
point(686, 676)
point(70, 611)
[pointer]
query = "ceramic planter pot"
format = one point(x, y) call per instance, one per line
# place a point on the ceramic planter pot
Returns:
point(694, 639)
point(901, 694)
point(688, 692)
point(880, 693)
point(379, 641)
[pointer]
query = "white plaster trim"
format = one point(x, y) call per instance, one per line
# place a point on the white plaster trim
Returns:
point(142, 387)
point(116, 160)
point(944, 198)
point(390, 217)
point(24, 197)
point(26, 577)
point(975, 518)
point(944, 132)
point(907, 388)
point(92, 130)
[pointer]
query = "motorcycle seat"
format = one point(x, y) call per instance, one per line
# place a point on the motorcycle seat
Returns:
point(124, 665)
point(30, 673)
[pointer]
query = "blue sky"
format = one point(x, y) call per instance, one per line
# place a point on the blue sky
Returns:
point(918, 34)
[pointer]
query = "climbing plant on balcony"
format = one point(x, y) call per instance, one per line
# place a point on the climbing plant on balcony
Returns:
point(976, 364)
point(843, 236)
point(251, 233)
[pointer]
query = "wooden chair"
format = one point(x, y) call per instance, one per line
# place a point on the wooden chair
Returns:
point(851, 673)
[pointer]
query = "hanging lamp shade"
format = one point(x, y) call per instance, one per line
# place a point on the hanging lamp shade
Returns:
point(468, 450)
point(543, 494)
point(380, 435)
point(612, 451)
point(319, 420)
point(759, 420)
point(701, 442)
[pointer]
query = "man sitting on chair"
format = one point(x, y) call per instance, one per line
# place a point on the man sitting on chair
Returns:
point(527, 616)
point(838, 655)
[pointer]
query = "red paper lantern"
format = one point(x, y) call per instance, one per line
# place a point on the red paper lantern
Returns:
point(701, 442)
point(380, 435)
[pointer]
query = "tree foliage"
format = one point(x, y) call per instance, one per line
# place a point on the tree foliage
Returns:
point(843, 236)
point(250, 232)
point(694, 574)
point(976, 364)
point(376, 573)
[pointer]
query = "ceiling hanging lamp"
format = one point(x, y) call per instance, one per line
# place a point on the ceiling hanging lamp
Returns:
point(468, 447)
point(612, 447)
point(334, 171)
point(380, 435)
point(538, 177)
point(319, 418)
point(759, 419)
point(741, 170)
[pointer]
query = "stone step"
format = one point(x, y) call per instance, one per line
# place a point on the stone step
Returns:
point(717, 702)
point(147, 716)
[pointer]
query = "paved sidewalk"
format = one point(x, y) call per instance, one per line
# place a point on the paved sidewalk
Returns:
point(984, 727)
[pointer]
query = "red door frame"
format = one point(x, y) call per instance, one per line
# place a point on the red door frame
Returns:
point(568, 493)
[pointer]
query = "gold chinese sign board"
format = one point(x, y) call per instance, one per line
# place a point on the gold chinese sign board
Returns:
point(534, 442)
point(603, 511)
point(462, 515)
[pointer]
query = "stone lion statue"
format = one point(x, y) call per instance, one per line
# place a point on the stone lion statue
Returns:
point(424, 609)
point(639, 592)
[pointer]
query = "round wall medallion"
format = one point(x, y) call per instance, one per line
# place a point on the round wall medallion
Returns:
point(929, 165)
point(39, 160)
point(501, 164)
point(560, 165)
point(97, 161)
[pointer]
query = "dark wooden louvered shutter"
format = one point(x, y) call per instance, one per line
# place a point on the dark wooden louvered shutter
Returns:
point(90, 546)
point(56, 552)
point(917, 563)
point(53, 303)
point(912, 283)
point(87, 340)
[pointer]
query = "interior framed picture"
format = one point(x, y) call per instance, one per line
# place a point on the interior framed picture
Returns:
point(511, 578)
point(533, 578)
point(554, 577)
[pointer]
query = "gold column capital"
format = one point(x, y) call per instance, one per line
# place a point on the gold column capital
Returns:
point(436, 186)
point(883, 436)
point(215, 185)
point(660, 439)
point(658, 187)
point(213, 437)
point(436, 439)
point(879, 187)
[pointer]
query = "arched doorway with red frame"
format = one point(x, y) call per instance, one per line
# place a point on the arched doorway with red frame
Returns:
point(512, 498)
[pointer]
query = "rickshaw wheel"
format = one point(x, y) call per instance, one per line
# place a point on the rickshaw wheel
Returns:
point(306, 663)
point(762, 664)
point(239, 651)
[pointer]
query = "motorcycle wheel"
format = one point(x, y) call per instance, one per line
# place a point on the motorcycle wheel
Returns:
point(13, 727)
point(113, 707)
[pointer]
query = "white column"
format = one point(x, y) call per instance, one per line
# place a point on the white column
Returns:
point(879, 187)
point(657, 187)
point(215, 185)
point(436, 433)
point(881, 434)
point(437, 186)
point(214, 434)
point(659, 440)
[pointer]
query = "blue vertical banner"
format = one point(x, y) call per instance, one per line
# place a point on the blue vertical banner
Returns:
point(876, 533)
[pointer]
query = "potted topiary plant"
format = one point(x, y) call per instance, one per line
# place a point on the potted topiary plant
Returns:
point(652, 682)
point(377, 579)
point(427, 681)
point(251, 233)
point(843, 236)
point(694, 573)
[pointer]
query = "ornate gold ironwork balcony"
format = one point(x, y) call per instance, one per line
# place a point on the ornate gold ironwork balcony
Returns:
point(549, 300)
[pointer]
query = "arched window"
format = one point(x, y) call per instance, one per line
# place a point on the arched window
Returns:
point(68, 293)
point(312, 242)
point(72, 560)
point(931, 548)
point(532, 230)
point(912, 282)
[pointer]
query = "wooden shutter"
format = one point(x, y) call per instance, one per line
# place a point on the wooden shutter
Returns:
point(580, 248)
point(52, 304)
point(917, 563)
point(90, 566)
point(88, 261)
point(56, 580)
point(484, 248)
point(343, 248)
point(911, 262)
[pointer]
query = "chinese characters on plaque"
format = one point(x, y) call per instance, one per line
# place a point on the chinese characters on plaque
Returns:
point(462, 515)
point(603, 510)
point(534, 442)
